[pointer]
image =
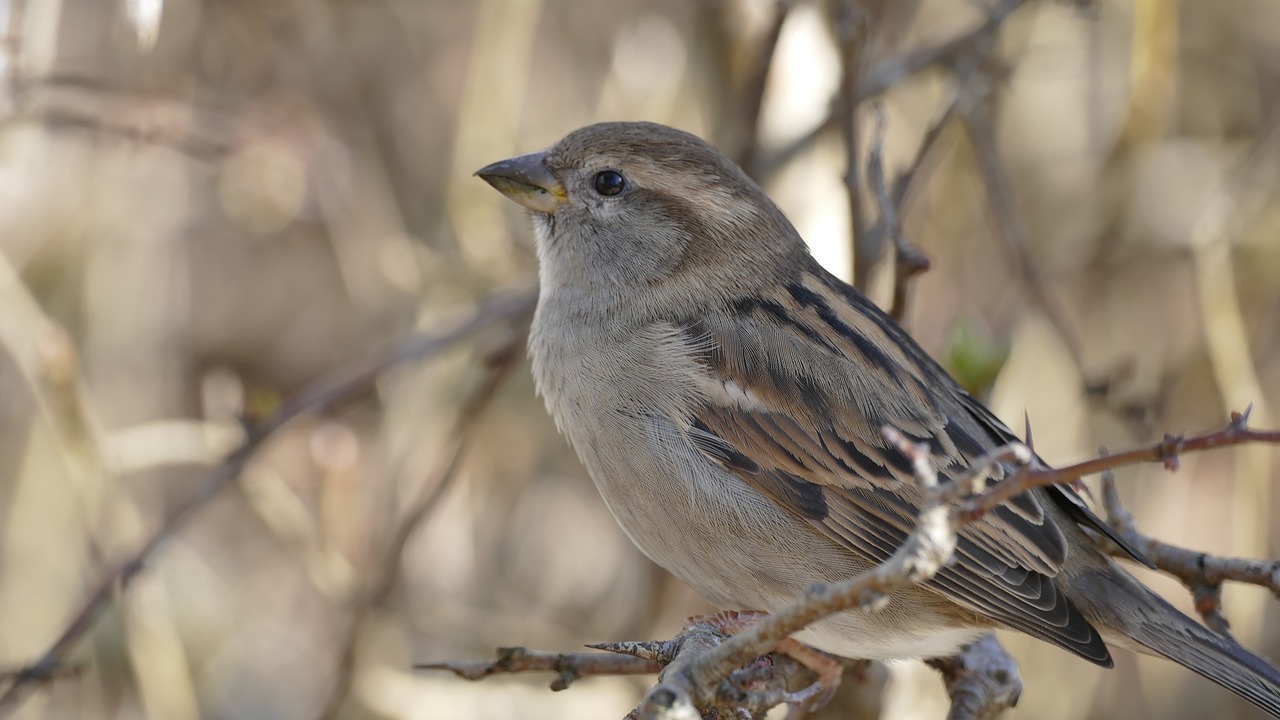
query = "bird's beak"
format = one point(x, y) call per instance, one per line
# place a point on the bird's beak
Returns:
point(527, 180)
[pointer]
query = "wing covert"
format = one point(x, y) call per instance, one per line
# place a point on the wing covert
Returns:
point(801, 426)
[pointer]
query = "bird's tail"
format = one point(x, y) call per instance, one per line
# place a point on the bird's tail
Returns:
point(1133, 616)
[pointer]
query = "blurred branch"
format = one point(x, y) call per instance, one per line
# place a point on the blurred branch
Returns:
point(509, 310)
point(902, 186)
point(983, 680)
point(884, 74)
point(49, 364)
point(753, 97)
point(891, 71)
point(287, 517)
point(908, 260)
point(1004, 211)
point(964, 54)
point(769, 164)
point(15, 60)
point(168, 442)
point(382, 579)
point(852, 33)
point(203, 129)
point(976, 79)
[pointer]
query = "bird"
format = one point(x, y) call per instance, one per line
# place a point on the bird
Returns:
point(727, 395)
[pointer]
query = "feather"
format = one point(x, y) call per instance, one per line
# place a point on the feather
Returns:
point(814, 377)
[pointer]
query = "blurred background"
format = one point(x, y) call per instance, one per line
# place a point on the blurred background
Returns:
point(206, 207)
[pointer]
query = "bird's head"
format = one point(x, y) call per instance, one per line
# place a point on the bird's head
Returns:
point(622, 206)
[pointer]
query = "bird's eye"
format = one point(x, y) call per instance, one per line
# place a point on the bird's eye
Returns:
point(610, 182)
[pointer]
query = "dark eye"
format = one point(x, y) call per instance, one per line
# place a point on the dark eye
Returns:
point(609, 182)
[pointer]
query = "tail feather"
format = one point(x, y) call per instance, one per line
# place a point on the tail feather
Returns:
point(1125, 610)
point(1216, 657)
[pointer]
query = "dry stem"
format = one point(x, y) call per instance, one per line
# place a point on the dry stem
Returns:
point(510, 310)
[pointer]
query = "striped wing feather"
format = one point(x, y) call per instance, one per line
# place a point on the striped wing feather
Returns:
point(809, 439)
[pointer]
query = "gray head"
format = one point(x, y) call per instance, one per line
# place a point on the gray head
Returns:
point(620, 206)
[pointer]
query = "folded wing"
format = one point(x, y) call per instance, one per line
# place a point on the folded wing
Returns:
point(797, 416)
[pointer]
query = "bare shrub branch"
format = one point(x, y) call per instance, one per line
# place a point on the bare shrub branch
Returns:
point(510, 310)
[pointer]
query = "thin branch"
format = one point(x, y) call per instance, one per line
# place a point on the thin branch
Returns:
point(886, 73)
point(891, 71)
point(1008, 220)
point(382, 579)
point(1202, 573)
point(851, 37)
point(1165, 451)
point(974, 479)
point(929, 546)
point(755, 688)
point(567, 666)
point(510, 309)
point(908, 260)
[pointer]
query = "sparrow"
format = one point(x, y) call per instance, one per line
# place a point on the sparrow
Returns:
point(726, 394)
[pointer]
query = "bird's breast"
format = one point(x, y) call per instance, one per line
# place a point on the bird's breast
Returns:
point(618, 394)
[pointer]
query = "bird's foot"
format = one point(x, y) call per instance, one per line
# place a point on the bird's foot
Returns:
point(828, 669)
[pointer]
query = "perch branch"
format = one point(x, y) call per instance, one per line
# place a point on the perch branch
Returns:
point(1202, 573)
point(983, 680)
point(567, 666)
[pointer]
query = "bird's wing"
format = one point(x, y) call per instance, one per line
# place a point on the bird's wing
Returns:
point(801, 382)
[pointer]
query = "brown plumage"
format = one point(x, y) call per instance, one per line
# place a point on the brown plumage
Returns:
point(726, 395)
